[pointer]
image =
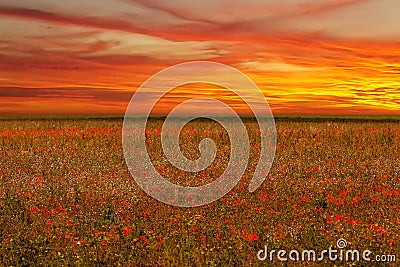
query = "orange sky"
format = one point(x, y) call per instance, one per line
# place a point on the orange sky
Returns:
point(307, 56)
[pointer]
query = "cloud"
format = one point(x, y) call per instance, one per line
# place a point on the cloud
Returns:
point(250, 20)
point(84, 94)
point(94, 22)
point(258, 66)
point(325, 53)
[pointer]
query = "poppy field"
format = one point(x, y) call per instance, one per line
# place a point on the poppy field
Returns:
point(67, 197)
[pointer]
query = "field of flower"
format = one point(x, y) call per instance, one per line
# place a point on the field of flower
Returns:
point(67, 198)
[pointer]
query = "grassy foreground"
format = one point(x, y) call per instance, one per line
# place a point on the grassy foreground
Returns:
point(67, 198)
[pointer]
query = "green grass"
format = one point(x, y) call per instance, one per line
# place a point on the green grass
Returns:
point(67, 198)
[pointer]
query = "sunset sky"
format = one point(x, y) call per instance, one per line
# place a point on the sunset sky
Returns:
point(307, 56)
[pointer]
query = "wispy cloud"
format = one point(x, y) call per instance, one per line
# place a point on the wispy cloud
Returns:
point(338, 56)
